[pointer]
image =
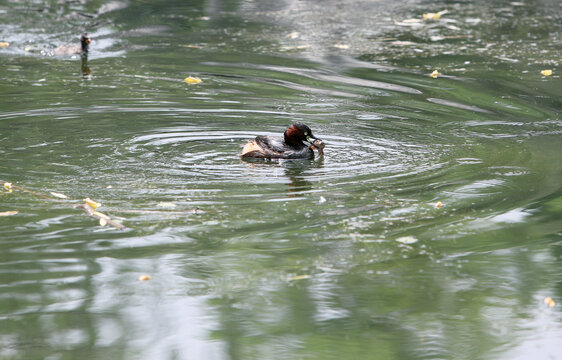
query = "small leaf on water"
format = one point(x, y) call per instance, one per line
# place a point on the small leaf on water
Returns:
point(438, 205)
point(434, 16)
point(548, 301)
point(8, 186)
point(435, 74)
point(293, 35)
point(145, 277)
point(192, 80)
point(59, 195)
point(9, 213)
point(299, 277)
point(93, 204)
point(546, 72)
point(407, 240)
point(4, 44)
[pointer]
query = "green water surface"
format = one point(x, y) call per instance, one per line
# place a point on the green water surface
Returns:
point(341, 257)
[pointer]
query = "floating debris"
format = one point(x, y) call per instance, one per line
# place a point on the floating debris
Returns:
point(59, 195)
point(93, 204)
point(342, 46)
point(8, 186)
point(407, 240)
point(293, 35)
point(299, 277)
point(4, 44)
point(145, 277)
point(546, 72)
point(89, 206)
point(192, 80)
point(8, 213)
point(435, 74)
point(438, 205)
point(434, 16)
point(168, 205)
point(548, 301)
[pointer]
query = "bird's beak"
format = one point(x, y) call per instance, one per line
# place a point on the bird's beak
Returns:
point(310, 139)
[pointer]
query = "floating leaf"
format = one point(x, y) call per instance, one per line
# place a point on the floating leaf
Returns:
point(407, 240)
point(299, 277)
point(8, 186)
point(548, 301)
point(434, 16)
point(9, 213)
point(192, 80)
point(546, 72)
point(435, 74)
point(293, 35)
point(145, 277)
point(438, 205)
point(59, 195)
point(93, 204)
point(4, 44)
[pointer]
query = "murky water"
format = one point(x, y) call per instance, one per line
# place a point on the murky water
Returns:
point(341, 257)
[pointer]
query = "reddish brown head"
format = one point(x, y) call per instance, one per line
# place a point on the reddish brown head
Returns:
point(84, 42)
point(297, 133)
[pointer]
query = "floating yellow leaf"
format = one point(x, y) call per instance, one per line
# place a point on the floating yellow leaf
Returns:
point(93, 204)
point(549, 301)
point(59, 195)
point(438, 205)
point(546, 72)
point(434, 16)
point(145, 277)
point(435, 74)
point(9, 213)
point(4, 44)
point(8, 186)
point(192, 80)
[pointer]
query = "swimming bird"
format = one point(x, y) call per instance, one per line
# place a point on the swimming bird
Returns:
point(289, 146)
point(74, 49)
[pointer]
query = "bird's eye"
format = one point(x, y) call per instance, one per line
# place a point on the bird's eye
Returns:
point(305, 133)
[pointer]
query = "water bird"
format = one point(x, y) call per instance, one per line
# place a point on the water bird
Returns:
point(74, 49)
point(289, 146)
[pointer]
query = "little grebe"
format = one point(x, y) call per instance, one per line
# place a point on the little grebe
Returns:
point(290, 146)
point(73, 49)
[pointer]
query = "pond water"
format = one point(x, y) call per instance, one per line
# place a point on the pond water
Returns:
point(431, 228)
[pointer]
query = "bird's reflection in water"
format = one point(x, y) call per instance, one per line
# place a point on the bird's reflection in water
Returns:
point(294, 170)
point(84, 68)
